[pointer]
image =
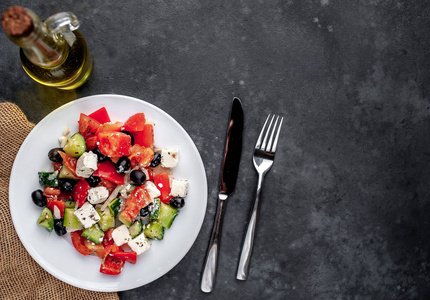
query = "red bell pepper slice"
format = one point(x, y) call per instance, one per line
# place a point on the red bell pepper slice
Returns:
point(130, 257)
point(101, 115)
point(135, 123)
point(138, 199)
point(111, 265)
point(61, 205)
point(108, 184)
point(107, 239)
point(140, 156)
point(78, 243)
point(107, 170)
point(57, 165)
point(69, 162)
point(144, 138)
point(80, 192)
point(64, 196)
point(162, 182)
point(87, 126)
point(114, 144)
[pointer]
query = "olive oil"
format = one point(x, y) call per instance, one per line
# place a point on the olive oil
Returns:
point(70, 73)
point(53, 52)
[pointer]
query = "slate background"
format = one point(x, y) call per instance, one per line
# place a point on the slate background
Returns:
point(345, 207)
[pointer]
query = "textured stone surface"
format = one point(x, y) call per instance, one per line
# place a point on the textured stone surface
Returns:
point(344, 212)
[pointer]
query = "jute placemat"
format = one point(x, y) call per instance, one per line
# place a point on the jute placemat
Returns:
point(20, 276)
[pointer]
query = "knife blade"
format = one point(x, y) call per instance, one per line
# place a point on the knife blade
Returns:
point(227, 184)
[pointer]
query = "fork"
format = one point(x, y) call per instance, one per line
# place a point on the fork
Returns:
point(263, 157)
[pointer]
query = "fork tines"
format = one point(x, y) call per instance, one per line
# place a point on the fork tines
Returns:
point(270, 130)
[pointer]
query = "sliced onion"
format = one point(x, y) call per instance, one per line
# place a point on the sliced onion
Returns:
point(112, 196)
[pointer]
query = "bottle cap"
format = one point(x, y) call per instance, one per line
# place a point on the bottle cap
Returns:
point(16, 21)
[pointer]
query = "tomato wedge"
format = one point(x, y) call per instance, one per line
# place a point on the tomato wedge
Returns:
point(98, 249)
point(107, 239)
point(91, 143)
point(80, 192)
point(69, 162)
point(51, 191)
point(78, 243)
point(130, 257)
point(144, 138)
point(140, 156)
point(52, 202)
point(107, 170)
point(162, 182)
point(138, 199)
point(109, 127)
point(135, 123)
point(101, 115)
point(114, 144)
point(87, 126)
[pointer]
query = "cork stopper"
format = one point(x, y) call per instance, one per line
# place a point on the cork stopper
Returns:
point(16, 21)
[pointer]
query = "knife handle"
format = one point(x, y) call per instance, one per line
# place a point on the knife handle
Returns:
point(211, 260)
point(248, 242)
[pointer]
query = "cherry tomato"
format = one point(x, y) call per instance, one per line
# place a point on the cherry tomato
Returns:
point(80, 192)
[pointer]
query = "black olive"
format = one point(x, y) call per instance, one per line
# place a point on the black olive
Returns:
point(54, 155)
point(59, 228)
point(138, 177)
point(100, 157)
point(66, 185)
point(129, 133)
point(177, 202)
point(93, 181)
point(39, 198)
point(146, 210)
point(156, 160)
point(123, 165)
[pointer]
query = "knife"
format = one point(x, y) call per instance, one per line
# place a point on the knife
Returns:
point(227, 183)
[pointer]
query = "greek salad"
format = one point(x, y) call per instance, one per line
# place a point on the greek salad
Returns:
point(110, 188)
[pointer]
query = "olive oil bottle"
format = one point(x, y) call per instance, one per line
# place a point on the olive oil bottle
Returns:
point(54, 53)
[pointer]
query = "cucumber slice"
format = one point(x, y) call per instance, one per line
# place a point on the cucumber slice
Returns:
point(48, 179)
point(66, 173)
point(124, 221)
point(114, 206)
point(154, 230)
point(135, 229)
point(46, 219)
point(70, 204)
point(93, 234)
point(70, 221)
point(167, 215)
point(75, 145)
point(155, 211)
point(107, 219)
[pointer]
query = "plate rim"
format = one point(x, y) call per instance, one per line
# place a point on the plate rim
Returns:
point(69, 279)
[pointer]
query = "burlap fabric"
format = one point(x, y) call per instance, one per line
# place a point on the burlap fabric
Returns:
point(20, 276)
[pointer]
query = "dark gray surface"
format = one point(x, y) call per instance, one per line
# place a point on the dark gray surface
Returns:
point(344, 212)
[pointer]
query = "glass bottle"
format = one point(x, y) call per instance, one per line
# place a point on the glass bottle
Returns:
point(53, 52)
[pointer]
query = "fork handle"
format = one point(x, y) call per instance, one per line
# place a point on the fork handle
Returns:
point(248, 242)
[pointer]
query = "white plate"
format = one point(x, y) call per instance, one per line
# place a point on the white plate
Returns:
point(56, 254)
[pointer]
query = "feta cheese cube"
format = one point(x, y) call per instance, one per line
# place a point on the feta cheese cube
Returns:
point(98, 195)
point(169, 157)
point(87, 215)
point(152, 190)
point(179, 188)
point(140, 244)
point(121, 235)
point(87, 164)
